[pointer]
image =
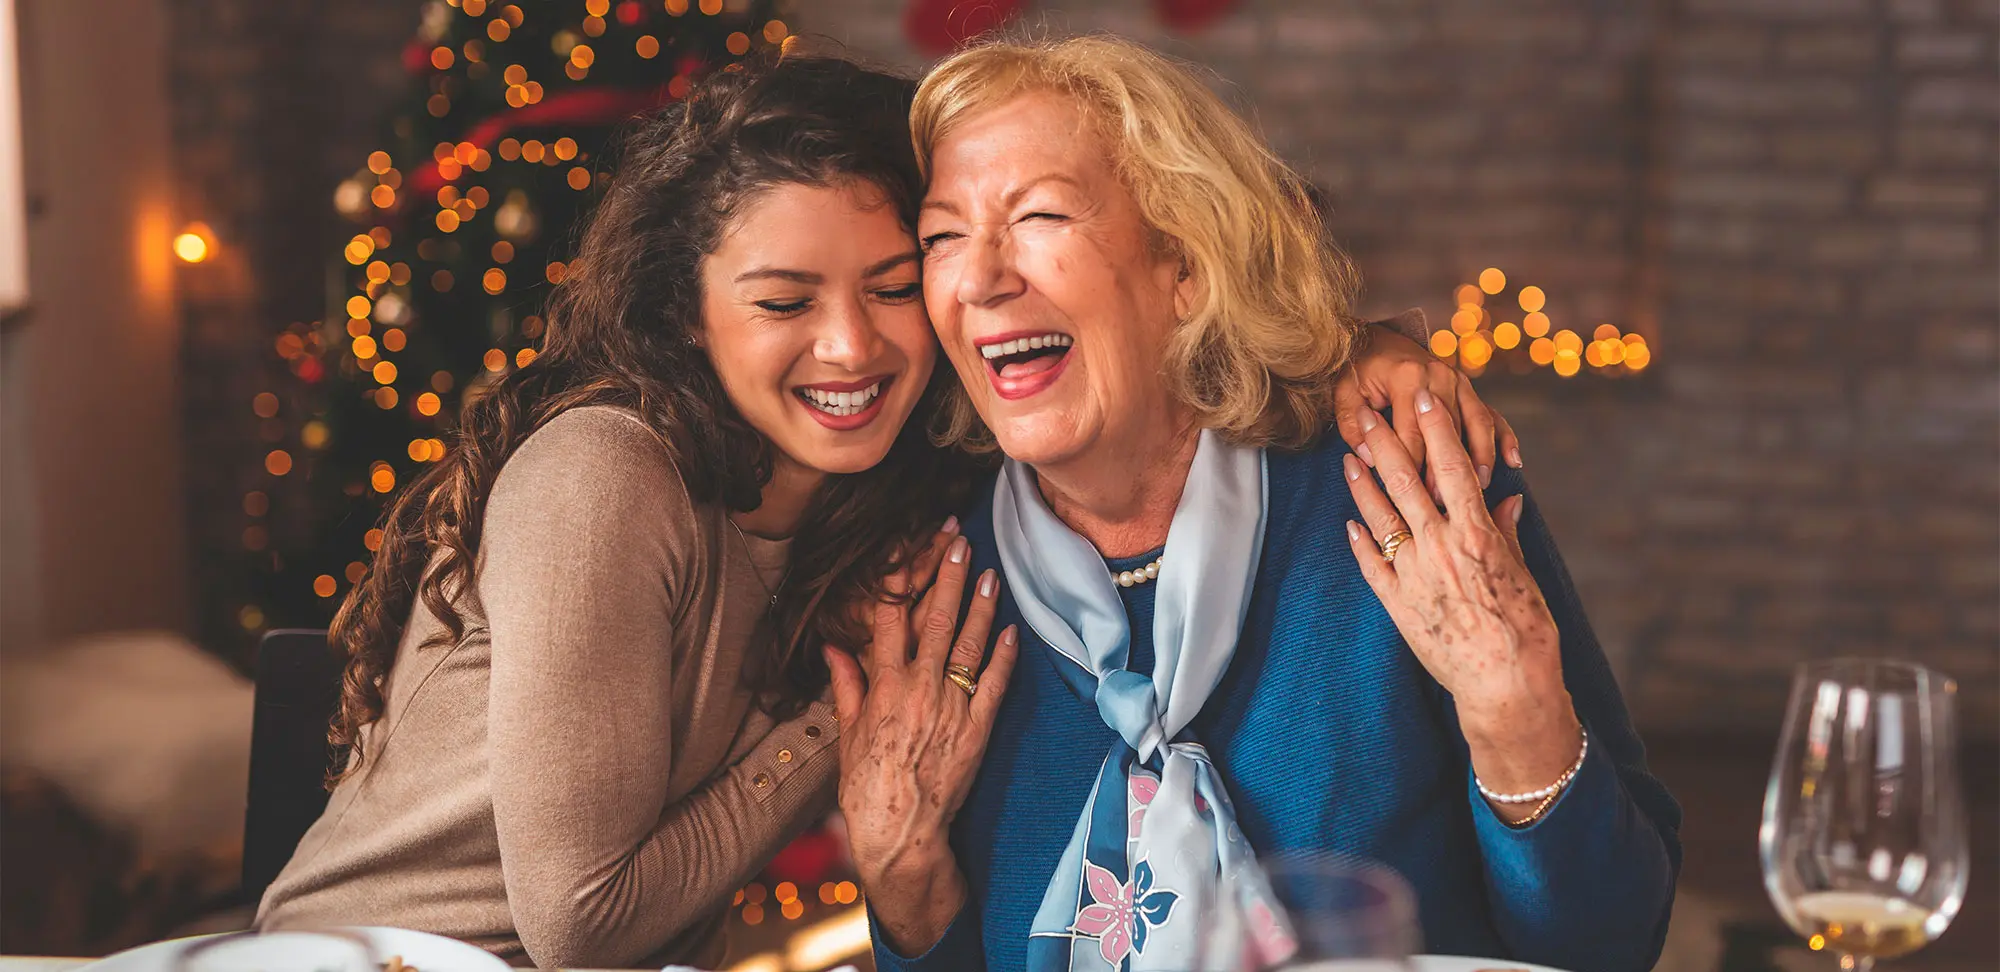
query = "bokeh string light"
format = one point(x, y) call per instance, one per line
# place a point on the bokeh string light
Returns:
point(460, 227)
point(1475, 342)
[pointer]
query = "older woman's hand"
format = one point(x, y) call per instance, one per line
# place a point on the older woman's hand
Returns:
point(1389, 372)
point(1459, 591)
point(911, 740)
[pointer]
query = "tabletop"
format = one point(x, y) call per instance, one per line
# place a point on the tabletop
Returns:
point(1425, 963)
point(48, 963)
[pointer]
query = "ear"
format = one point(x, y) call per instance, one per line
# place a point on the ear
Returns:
point(1184, 289)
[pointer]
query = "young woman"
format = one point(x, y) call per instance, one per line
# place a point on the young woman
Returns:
point(584, 700)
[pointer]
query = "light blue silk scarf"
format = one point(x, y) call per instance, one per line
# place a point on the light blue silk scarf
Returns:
point(1157, 875)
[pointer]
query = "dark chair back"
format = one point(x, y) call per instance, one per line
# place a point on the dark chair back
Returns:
point(298, 688)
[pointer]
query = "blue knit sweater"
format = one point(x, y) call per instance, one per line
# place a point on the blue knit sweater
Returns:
point(1333, 738)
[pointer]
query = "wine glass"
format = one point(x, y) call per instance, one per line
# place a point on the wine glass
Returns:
point(1863, 837)
point(1356, 914)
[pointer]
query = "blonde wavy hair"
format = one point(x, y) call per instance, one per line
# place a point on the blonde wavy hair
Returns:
point(1271, 324)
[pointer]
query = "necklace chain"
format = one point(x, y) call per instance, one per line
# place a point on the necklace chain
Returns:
point(751, 555)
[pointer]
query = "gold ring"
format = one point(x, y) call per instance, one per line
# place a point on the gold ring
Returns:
point(1394, 543)
point(962, 677)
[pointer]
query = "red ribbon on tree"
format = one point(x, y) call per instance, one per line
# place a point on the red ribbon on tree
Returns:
point(588, 107)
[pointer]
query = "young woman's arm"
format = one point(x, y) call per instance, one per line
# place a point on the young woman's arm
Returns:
point(585, 534)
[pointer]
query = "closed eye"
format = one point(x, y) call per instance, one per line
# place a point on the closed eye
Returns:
point(897, 295)
point(934, 239)
point(1058, 217)
point(785, 306)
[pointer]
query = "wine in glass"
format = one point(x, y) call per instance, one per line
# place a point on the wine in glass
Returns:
point(1863, 837)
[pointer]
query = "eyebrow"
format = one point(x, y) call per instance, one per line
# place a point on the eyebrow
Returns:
point(1013, 195)
point(776, 273)
point(882, 267)
point(809, 277)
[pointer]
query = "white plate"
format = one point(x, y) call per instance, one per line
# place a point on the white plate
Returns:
point(1422, 963)
point(1459, 963)
point(279, 952)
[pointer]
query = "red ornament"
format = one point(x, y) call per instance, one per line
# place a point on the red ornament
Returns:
point(417, 57)
point(1188, 16)
point(810, 858)
point(937, 26)
point(629, 12)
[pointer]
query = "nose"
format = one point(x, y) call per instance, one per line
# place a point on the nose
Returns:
point(987, 275)
point(848, 337)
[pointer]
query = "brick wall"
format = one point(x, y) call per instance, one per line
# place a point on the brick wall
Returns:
point(1793, 198)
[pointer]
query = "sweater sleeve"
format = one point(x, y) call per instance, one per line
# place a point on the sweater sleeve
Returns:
point(1590, 884)
point(961, 948)
point(1410, 323)
point(586, 537)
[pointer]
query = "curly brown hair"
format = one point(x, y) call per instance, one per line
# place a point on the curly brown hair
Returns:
point(619, 333)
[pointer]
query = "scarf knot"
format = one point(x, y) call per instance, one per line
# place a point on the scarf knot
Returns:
point(1126, 701)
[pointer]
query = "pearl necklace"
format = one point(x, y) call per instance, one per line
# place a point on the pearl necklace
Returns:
point(1133, 578)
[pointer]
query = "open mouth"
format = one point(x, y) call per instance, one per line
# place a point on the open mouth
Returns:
point(841, 404)
point(1023, 357)
point(845, 406)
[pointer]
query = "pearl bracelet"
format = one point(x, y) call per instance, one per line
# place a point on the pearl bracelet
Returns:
point(1544, 793)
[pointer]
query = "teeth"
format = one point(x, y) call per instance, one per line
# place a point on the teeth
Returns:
point(1019, 345)
point(842, 403)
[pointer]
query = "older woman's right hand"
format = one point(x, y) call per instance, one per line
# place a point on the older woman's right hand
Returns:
point(910, 744)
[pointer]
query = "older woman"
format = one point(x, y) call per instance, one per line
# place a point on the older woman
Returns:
point(1217, 660)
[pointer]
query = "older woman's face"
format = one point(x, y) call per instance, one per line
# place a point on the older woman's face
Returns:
point(1042, 284)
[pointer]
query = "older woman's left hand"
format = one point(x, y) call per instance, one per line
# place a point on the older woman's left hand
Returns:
point(1388, 372)
point(1460, 592)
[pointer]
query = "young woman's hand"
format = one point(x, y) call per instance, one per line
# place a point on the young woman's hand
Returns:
point(913, 729)
point(1389, 372)
point(1454, 580)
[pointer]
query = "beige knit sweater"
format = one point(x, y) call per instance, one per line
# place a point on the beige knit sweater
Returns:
point(582, 780)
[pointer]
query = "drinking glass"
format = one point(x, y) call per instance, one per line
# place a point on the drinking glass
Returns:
point(1357, 914)
point(1863, 837)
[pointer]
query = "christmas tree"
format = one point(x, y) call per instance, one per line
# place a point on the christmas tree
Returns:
point(462, 224)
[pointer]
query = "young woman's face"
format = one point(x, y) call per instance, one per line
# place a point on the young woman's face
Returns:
point(813, 315)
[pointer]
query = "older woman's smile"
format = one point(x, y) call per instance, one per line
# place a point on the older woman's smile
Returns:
point(1021, 363)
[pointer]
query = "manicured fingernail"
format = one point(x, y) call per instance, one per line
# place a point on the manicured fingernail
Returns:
point(950, 525)
point(1424, 401)
point(1008, 636)
point(1514, 456)
point(1352, 467)
point(1520, 503)
point(959, 548)
point(1353, 532)
point(1366, 456)
point(1485, 476)
point(986, 583)
point(1368, 420)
